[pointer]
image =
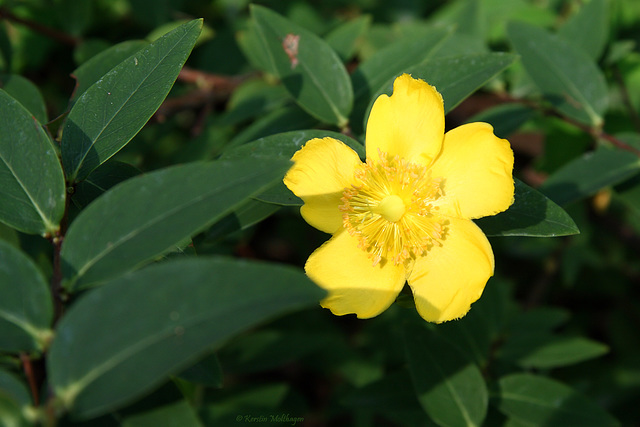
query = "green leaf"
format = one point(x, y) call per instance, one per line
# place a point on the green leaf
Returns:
point(307, 66)
point(505, 118)
point(284, 145)
point(455, 77)
point(476, 331)
point(629, 193)
point(374, 74)
point(542, 401)
point(114, 109)
point(532, 214)
point(26, 310)
point(177, 414)
point(32, 193)
point(567, 76)
point(588, 29)
point(542, 319)
point(167, 316)
point(11, 412)
point(12, 387)
point(148, 215)
point(102, 179)
point(449, 387)
point(586, 175)
point(206, 371)
point(248, 214)
point(390, 396)
point(344, 39)
point(26, 93)
point(283, 119)
point(99, 65)
point(545, 351)
point(458, 77)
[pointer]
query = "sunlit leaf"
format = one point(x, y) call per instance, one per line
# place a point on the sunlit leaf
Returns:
point(180, 308)
point(307, 66)
point(26, 310)
point(565, 75)
point(586, 175)
point(532, 214)
point(114, 109)
point(32, 190)
point(26, 93)
point(588, 29)
point(284, 145)
point(148, 215)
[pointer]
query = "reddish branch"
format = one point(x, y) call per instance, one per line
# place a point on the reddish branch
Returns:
point(39, 28)
point(29, 372)
point(211, 89)
point(595, 132)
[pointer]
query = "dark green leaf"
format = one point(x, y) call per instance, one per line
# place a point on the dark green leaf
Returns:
point(25, 303)
point(588, 29)
point(449, 387)
point(373, 75)
point(99, 65)
point(392, 397)
point(11, 412)
point(475, 332)
point(148, 215)
point(590, 173)
point(545, 351)
point(343, 40)
point(102, 179)
point(283, 119)
point(310, 70)
point(505, 118)
point(565, 75)
point(629, 193)
point(26, 93)
point(284, 145)
point(541, 319)
point(458, 77)
point(250, 213)
point(12, 387)
point(166, 315)
point(542, 401)
point(532, 214)
point(252, 47)
point(112, 111)
point(455, 77)
point(206, 371)
point(176, 414)
point(32, 190)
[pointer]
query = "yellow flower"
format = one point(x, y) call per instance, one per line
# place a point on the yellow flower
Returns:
point(405, 215)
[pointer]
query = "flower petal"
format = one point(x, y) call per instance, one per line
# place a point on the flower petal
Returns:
point(322, 169)
point(409, 124)
point(354, 284)
point(450, 278)
point(477, 169)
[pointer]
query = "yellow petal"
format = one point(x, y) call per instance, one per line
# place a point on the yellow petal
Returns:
point(477, 169)
point(450, 278)
point(354, 284)
point(409, 124)
point(322, 169)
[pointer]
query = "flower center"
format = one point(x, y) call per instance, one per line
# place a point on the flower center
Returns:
point(392, 209)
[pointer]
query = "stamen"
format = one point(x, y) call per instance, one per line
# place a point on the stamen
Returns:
point(392, 209)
